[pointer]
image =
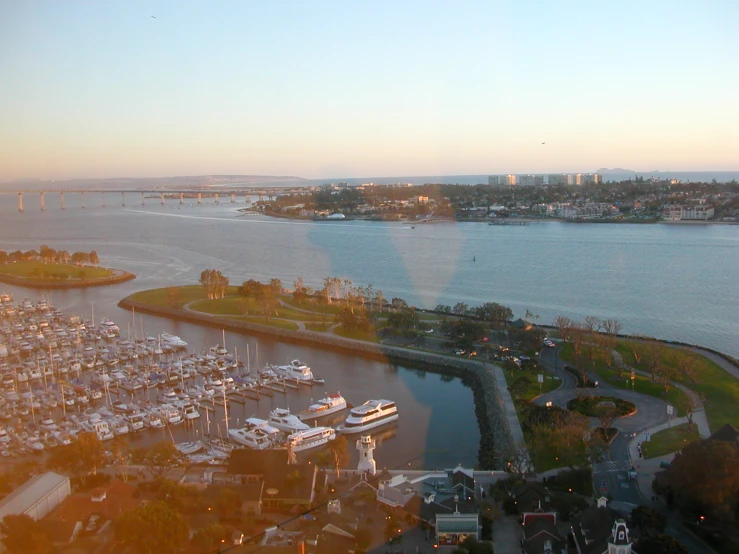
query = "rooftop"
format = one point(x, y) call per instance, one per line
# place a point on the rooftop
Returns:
point(30, 492)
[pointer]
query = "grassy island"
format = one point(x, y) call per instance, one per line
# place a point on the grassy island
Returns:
point(49, 268)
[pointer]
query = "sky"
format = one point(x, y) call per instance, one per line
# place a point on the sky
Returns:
point(324, 89)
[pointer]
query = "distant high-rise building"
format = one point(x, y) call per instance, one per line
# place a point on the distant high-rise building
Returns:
point(557, 179)
point(588, 179)
point(501, 180)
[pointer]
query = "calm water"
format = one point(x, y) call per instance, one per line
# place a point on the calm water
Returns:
point(675, 282)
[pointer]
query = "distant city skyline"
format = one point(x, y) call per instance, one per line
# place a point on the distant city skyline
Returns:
point(334, 89)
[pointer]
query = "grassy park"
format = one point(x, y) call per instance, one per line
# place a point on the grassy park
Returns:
point(35, 270)
point(669, 440)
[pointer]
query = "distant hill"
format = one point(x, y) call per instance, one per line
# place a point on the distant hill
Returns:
point(195, 181)
point(619, 170)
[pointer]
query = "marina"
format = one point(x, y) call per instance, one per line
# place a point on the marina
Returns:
point(64, 375)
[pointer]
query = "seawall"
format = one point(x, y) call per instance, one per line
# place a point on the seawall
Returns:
point(495, 434)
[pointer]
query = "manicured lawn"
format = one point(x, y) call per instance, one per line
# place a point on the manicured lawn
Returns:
point(546, 462)
point(32, 269)
point(318, 327)
point(238, 305)
point(533, 390)
point(311, 305)
point(161, 297)
point(279, 323)
point(369, 336)
point(641, 383)
point(669, 440)
point(720, 388)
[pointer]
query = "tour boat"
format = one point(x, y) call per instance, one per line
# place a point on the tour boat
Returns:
point(310, 438)
point(294, 370)
point(325, 406)
point(283, 420)
point(369, 415)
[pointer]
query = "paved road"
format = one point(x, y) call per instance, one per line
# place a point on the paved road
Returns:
point(612, 477)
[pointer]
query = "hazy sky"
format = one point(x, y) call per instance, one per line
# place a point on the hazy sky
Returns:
point(373, 88)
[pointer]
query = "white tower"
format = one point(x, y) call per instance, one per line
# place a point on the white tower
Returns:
point(619, 542)
point(366, 445)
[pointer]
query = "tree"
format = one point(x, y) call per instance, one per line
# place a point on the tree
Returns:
point(228, 503)
point(81, 457)
point(460, 308)
point(687, 365)
point(214, 283)
point(299, 290)
point(152, 528)
point(649, 521)
point(637, 350)
point(94, 259)
point(660, 544)
point(691, 402)
point(209, 539)
point(606, 414)
point(157, 459)
point(336, 454)
point(276, 286)
point(664, 376)
point(21, 534)
point(363, 536)
point(564, 326)
point(79, 258)
point(519, 387)
point(3, 257)
point(708, 474)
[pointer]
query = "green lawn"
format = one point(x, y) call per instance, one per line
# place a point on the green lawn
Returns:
point(541, 463)
point(533, 390)
point(279, 323)
point(318, 327)
point(641, 383)
point(32, 269)
point(669, 440)
point(719, 387)
point(369, 336)
point(164, 297)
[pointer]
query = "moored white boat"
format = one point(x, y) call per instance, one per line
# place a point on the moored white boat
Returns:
point(294, 370)
point(369, 415)
point(325, 406)
point(311, 438)
point(282, 419)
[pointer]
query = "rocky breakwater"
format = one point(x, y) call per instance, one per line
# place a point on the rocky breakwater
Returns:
point(495, 434)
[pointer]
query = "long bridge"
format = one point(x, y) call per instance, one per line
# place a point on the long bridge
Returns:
point(262, 193)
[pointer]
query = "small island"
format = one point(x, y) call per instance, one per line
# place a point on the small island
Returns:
point(57, 269)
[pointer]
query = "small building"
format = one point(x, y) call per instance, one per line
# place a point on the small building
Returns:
point(452, 529)
point(601, 530)
point(37, 497)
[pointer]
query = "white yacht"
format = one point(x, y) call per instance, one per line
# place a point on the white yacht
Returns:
point(294, 370)
point(170, 415)
point(189, 411)
point(173, 340)
point(258, 438)
point(283, 420)
point(369, 415)
point(108, 325)
point(153, 419)
point(311, 438)
point(135, 421)
point(47, 424)
point(101, 429)
point(4, 437)
point(325, 406)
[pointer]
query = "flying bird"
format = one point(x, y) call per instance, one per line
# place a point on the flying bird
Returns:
point(543, 142)
point(153, 16)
